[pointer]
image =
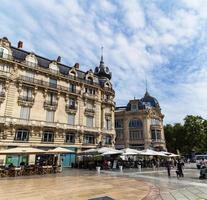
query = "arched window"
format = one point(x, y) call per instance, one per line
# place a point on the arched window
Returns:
point(135, 123)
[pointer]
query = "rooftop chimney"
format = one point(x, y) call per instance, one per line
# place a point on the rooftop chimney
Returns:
point(20, 45)
point(59, 59)
point(77, 66)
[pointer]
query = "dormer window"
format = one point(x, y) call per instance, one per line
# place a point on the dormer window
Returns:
point(90, 80)
point(54, 67)
point(31, 60)
point(4, 53)
point(134, 107)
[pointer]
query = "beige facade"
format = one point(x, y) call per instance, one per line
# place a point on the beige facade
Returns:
point(139, 125)
point(44, 103)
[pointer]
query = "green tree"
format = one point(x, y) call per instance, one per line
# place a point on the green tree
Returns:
point(195, 134)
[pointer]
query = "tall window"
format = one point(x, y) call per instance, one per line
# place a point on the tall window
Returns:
point(156, 134)
point(108, 124)
point(27, 93)
point(50, 116)
point(71, 119)
point(52, 98)
point(89, 121)
point(22, 135)
point(24, 112)
point(71, 103)
point(108, 139)
point(72, 87)
point(70, 138)
point(134, 107)
point(136, 135)
point(89, 139)
point(119, 134)
point(48, 136)
point(119, 123)
point(135, 123)
point(53, 83)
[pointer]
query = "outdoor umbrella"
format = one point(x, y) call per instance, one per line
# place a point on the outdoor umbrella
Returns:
point(22, 150)
point(60, 150)
point(173, 155)
point(129, 152)
point(89, 152)
point(112, 152)
point(149, 152)
point(105, 149)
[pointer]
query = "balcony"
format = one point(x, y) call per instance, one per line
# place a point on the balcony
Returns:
point(156, 126)
point(71, 108)
point(2, 96)
point(25, 101)
point(41, 83)
point(50, 105)
point(90, 96)
point(109, 101)
point(89, 111)
point(4, 74)
point(110, 90)
point(158, 141)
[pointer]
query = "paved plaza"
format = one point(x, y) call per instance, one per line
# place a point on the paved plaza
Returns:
point(73, 185)
point(84, 185)
point(187, 188)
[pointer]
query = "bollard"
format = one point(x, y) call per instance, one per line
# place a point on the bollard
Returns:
point(139, 168)
point(98, 169)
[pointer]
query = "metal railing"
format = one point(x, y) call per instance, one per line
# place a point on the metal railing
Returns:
point(50, 103)
point(72, 107)
point(46, 84)
point(26, 98)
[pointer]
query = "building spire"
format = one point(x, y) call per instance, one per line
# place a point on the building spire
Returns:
point(102, 54)
point(146, 85)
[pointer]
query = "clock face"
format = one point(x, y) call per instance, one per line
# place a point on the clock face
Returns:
point(107, 70)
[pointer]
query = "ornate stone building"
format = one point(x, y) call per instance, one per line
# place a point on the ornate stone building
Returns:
point(139, 125)
point(44, 103)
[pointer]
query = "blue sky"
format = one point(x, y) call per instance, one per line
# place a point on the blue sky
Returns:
point(163, 41)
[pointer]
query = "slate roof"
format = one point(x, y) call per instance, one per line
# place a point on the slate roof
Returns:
point(20, 55)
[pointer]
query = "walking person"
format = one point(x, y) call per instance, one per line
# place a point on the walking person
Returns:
point(179, 171)
point(168, 166)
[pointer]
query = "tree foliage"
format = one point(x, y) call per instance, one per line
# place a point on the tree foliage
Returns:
point(188, 137)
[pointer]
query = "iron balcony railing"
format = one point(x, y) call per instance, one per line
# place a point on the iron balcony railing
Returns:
point(72, 107)
point(47, 84)
point(26, 98)
point(50, 103)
